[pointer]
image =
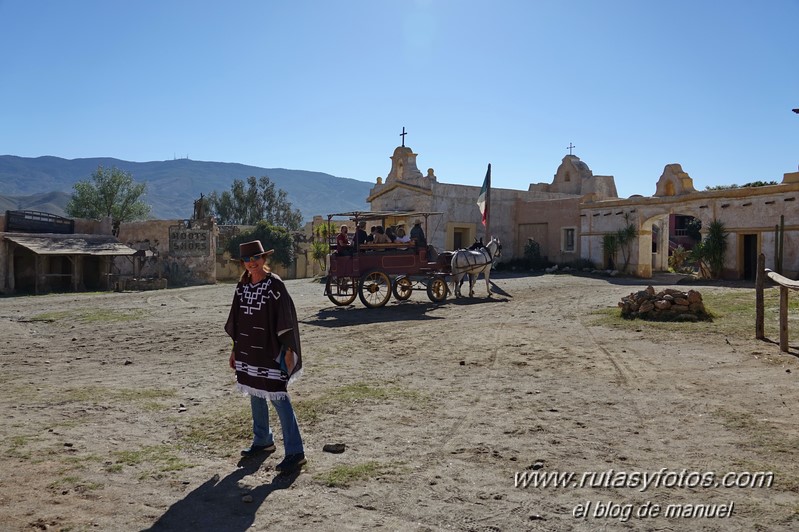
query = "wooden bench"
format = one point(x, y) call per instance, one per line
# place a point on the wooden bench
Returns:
point(390, 245)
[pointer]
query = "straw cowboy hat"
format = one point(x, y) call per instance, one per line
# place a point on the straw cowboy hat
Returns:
point(417, 221)
point(253, 249)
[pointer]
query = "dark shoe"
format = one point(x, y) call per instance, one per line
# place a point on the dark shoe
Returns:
point(291, 462)
point(252, 450)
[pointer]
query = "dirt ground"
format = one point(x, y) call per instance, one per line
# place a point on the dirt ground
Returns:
point(119, 413)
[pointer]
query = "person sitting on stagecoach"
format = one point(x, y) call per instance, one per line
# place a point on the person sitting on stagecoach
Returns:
point(417, 234)
point(343, 245)
point(380, 236)
point(391, 235)
point(360, 234)
point(402, 237)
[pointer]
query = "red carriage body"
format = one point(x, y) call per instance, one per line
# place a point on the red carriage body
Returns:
point(374, 271)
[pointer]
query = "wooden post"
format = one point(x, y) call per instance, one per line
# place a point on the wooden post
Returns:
point(782, 244)
point(759, 282)
point(12, 283)
point(785, 285)
point(783, 319)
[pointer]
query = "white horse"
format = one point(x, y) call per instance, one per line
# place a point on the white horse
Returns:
point(473, 263)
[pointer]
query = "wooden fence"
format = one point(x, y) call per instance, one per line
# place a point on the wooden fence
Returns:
point(785, 285)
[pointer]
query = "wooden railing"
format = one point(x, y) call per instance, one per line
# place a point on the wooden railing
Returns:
point(785, 285)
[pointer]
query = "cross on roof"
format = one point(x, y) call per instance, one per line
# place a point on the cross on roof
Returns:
point(571, 146)
point(403, 136)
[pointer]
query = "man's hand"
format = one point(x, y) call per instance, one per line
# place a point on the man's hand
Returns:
point(290, 360)
point(232, 359)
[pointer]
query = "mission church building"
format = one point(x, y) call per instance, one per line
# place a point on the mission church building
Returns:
point(548, 213)
point(570, 216)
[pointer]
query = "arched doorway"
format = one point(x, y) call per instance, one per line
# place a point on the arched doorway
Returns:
point(659, 235)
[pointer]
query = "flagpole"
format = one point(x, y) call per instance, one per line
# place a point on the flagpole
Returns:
point(488, 206)
point(484, 203)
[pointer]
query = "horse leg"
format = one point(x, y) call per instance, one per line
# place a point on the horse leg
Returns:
point(472, 280)
point(456, 284)
point(486, 274)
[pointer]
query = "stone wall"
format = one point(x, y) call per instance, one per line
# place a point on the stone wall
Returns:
point(183, 253)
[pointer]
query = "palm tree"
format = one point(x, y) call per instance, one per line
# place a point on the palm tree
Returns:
point(610, 244)
point(320, 248)
point(709, 253)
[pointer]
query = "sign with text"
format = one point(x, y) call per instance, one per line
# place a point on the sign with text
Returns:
point(189, 242)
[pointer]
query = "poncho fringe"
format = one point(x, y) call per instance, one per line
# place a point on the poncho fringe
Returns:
point(263, 394)
point(272, 396)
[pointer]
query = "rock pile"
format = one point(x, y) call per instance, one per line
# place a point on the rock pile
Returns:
point(666, 305)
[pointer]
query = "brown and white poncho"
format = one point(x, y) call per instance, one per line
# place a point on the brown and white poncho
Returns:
point(262, 323)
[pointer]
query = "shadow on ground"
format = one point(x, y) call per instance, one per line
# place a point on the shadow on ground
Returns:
point(217, 504)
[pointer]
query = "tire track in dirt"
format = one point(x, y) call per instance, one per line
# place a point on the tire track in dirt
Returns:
point(445, 448)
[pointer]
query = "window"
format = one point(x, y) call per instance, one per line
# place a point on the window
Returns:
point(567, 240)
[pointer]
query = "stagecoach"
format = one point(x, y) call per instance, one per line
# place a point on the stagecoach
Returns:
point(374, 271)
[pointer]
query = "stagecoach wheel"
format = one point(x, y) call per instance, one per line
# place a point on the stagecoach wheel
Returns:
point(342, 291)
point(403, 288)
point(437, 289)
point(375, 289)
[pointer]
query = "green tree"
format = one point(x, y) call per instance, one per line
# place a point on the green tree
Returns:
point(756, 183)
point(247, 203)
point(272, 237)
point(109, 192)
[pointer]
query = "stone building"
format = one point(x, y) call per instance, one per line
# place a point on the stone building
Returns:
point(546, 212)
point(570, 216)
point(407, 189)
point(41, 252)
point(750, 216)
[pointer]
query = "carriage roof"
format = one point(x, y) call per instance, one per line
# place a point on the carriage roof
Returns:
point(381, 215)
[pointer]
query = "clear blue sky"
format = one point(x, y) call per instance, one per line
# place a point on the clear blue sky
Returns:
point(327, 86)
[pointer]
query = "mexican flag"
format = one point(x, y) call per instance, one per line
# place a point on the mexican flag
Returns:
point(483, 199)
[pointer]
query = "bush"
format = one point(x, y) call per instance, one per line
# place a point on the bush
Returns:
point(532, 256)
point(272, 237)
point(678, 261)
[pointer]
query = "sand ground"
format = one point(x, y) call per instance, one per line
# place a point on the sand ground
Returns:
point(119, 413)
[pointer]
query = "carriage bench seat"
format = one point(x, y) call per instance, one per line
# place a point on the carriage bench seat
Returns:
point(390, 245)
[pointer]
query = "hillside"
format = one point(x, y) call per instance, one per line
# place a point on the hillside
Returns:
point(45, 184)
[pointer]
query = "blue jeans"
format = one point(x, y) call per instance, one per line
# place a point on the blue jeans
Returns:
point(262, 433)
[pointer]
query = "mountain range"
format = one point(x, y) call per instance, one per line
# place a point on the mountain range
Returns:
point(45, 184)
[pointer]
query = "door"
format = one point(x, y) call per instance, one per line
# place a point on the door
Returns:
point(750, 257)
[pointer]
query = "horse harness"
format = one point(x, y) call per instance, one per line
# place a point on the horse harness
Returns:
point(472, 262)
